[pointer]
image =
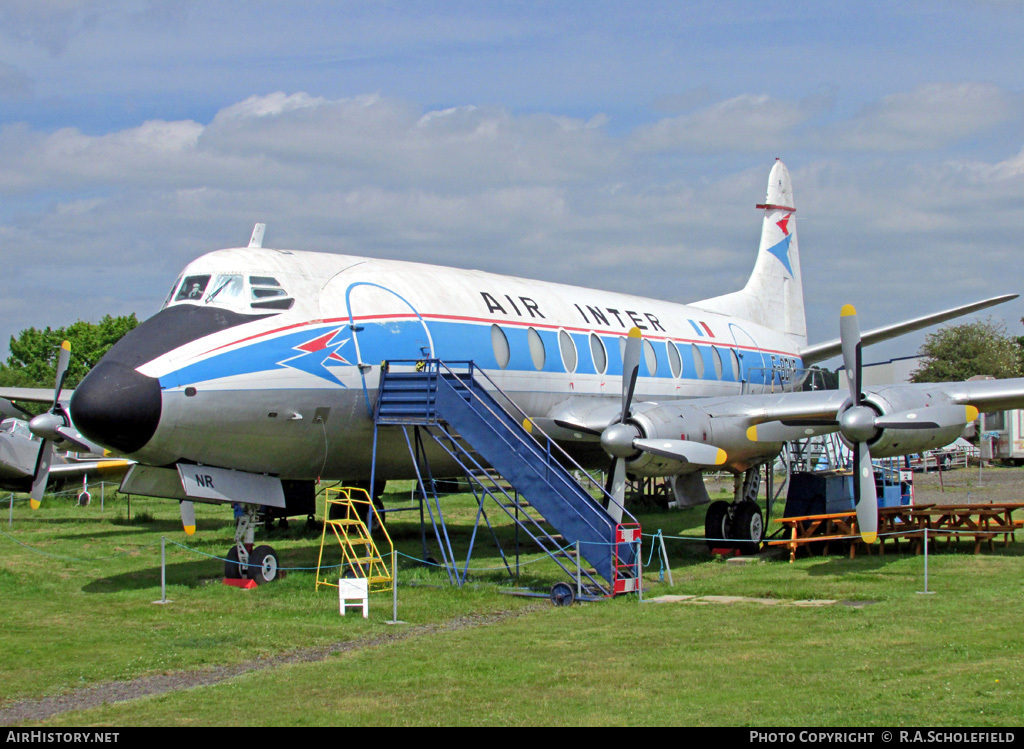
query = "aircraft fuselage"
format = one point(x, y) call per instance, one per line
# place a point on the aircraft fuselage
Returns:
point(268, 361)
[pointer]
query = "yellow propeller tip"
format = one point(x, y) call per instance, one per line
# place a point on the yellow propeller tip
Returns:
point(847, 310)
point(869, 538)
point(66, 345)
point(528, 426)
point(190, 530)
point(972, 413)
point(34, 504)
point(752, 433)
point(634, 332)
point(721, 457)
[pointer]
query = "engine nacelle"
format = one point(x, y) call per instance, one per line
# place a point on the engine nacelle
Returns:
point(889, 443)
point(692, 423)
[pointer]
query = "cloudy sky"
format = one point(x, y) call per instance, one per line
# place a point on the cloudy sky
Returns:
point(609, 144)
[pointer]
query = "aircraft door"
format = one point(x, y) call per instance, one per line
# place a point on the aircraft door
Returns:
point(754, 370)
point(385, 327)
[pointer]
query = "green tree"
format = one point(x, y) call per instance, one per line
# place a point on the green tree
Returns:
point(959, 352)
point(33, 359)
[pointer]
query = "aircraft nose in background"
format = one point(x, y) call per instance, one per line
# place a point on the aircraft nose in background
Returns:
point(117, 407)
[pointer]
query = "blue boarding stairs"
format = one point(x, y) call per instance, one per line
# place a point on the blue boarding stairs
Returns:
point(507, 459)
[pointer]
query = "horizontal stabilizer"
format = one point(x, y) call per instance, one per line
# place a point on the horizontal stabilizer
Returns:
point(822, 351)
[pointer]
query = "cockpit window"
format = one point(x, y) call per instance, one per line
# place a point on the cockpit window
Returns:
point(226, 289)
point(192, 289)
point(267, 293)
point(170, 294)
point(232, 290)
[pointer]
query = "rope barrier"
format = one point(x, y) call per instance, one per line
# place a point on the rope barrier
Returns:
point(654, 537)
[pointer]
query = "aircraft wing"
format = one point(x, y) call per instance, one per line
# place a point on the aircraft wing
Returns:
point(34, 395)
point(73, 469)
point(822, 351)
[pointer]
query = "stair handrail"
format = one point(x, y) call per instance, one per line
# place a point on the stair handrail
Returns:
point(432, 366)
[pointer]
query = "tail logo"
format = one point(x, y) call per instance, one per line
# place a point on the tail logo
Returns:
point(781, 250)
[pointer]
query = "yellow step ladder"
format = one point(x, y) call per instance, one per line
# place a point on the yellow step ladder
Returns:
point(359, 554)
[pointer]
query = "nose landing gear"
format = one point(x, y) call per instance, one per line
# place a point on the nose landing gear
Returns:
point(246, 566)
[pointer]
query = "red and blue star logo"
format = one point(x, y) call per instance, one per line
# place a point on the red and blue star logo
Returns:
point(318, 354)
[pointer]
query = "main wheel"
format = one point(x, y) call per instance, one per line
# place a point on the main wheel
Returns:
point(262, 565)
point(748, 527)
point(716, 525)
point(232, 569)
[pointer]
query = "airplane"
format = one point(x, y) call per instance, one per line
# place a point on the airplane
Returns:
point(258, 377)
point(28, 462)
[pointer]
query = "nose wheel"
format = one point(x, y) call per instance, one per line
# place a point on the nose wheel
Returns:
point(243, 562)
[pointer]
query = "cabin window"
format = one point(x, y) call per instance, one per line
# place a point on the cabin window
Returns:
point(568, 348)
point(650, 358)
point(698, 361)
point(675, 361)
point(598, 353)
point(192, 289)
point(499, 342)
point(537, 352)
point(736, 368)
point(716, 359)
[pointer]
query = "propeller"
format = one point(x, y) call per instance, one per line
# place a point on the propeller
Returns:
point(622, 440)
point(859, 423)
point(46, 426)
point(617, 439)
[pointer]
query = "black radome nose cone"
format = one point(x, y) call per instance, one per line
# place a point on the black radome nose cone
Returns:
point(117, 407)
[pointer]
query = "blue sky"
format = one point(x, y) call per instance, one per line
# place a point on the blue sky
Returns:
point(608, 144)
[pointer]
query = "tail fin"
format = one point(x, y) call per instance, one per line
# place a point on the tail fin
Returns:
point(773, 296)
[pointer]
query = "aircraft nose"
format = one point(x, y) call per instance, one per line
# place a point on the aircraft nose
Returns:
point(117, 407)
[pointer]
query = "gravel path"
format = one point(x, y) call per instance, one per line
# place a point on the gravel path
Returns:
point(124, 691)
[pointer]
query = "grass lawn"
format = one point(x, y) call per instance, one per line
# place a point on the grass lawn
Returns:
point(77, 588)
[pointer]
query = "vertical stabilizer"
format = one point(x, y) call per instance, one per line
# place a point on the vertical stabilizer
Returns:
point(773, 296)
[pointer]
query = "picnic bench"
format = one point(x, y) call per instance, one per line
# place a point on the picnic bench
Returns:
point(982, 522)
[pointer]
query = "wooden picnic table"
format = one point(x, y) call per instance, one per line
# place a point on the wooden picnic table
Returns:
point(806, 529)
point(982, 521)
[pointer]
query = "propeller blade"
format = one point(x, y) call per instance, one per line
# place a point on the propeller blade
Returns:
point(630, 369)
point(849, 336)
point(575, 427)
point(867, 500)
point(76, 439)
point(63, 358)
point(188, 517)
point(41, 475)
point(786, 431)
point(697, 453)
point(936, 417)
point(617, 488)
point(9, 410)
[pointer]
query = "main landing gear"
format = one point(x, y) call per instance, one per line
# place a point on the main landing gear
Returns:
point(738, 524)
point(245, 561)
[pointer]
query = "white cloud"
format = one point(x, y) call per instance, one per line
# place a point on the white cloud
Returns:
point(747, 122)
point(929, 116)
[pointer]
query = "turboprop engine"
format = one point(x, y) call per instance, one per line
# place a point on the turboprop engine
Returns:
point(654, 433)
point(936, 421)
